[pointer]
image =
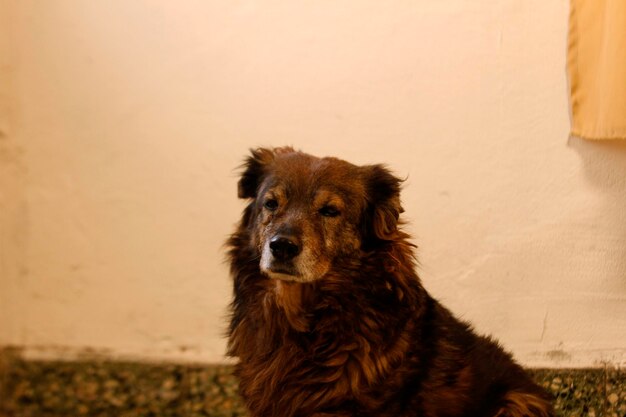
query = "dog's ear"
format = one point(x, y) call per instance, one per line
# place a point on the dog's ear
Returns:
point(383, 207)
point(253, 172)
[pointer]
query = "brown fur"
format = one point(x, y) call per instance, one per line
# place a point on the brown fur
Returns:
point(345, 328)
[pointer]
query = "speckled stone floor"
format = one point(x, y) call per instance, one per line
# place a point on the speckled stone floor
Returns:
point(122, 389)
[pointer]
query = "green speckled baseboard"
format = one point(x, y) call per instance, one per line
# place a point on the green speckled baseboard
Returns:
point(100, 388)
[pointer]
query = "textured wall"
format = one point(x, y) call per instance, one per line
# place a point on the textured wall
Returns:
point(125, 121)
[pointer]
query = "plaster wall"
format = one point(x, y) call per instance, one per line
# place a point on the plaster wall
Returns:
point(122, 124)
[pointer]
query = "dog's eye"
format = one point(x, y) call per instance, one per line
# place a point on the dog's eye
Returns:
point(329, 211)
point(271, 204)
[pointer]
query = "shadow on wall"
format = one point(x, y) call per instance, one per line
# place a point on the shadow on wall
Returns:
point(604, 166)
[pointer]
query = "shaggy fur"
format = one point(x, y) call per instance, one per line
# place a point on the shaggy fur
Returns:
point(341, 326)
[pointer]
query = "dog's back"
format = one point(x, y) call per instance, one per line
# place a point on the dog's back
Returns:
point(329, 317)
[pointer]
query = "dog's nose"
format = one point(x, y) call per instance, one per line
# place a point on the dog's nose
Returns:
point(284, 248)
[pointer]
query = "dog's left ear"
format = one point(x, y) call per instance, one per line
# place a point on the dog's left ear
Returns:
point(383, 203)
point(254, 170)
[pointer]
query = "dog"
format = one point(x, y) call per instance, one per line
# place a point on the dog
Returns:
point(329, 317)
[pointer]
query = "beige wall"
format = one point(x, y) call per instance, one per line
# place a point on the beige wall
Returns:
point(122, 123)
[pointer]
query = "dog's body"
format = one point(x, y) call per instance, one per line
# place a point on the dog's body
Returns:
point(329, 317)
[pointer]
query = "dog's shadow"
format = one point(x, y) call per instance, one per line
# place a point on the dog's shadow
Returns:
point(604, 167)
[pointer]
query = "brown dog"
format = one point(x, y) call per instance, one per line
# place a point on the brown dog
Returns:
point(329, 317)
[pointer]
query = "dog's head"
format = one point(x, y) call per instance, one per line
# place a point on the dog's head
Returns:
point(309, 214)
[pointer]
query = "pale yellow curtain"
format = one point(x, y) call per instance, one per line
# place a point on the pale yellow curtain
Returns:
point(597, 68)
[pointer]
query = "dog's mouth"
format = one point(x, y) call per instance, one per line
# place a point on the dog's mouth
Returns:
point(282, 277)
point(283, 273)
point(286, 272)
point(282, 270)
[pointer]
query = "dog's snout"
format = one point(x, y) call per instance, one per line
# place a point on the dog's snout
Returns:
point(284, 248)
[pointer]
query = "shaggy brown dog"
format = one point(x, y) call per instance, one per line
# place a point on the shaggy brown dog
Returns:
point(329, 317)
